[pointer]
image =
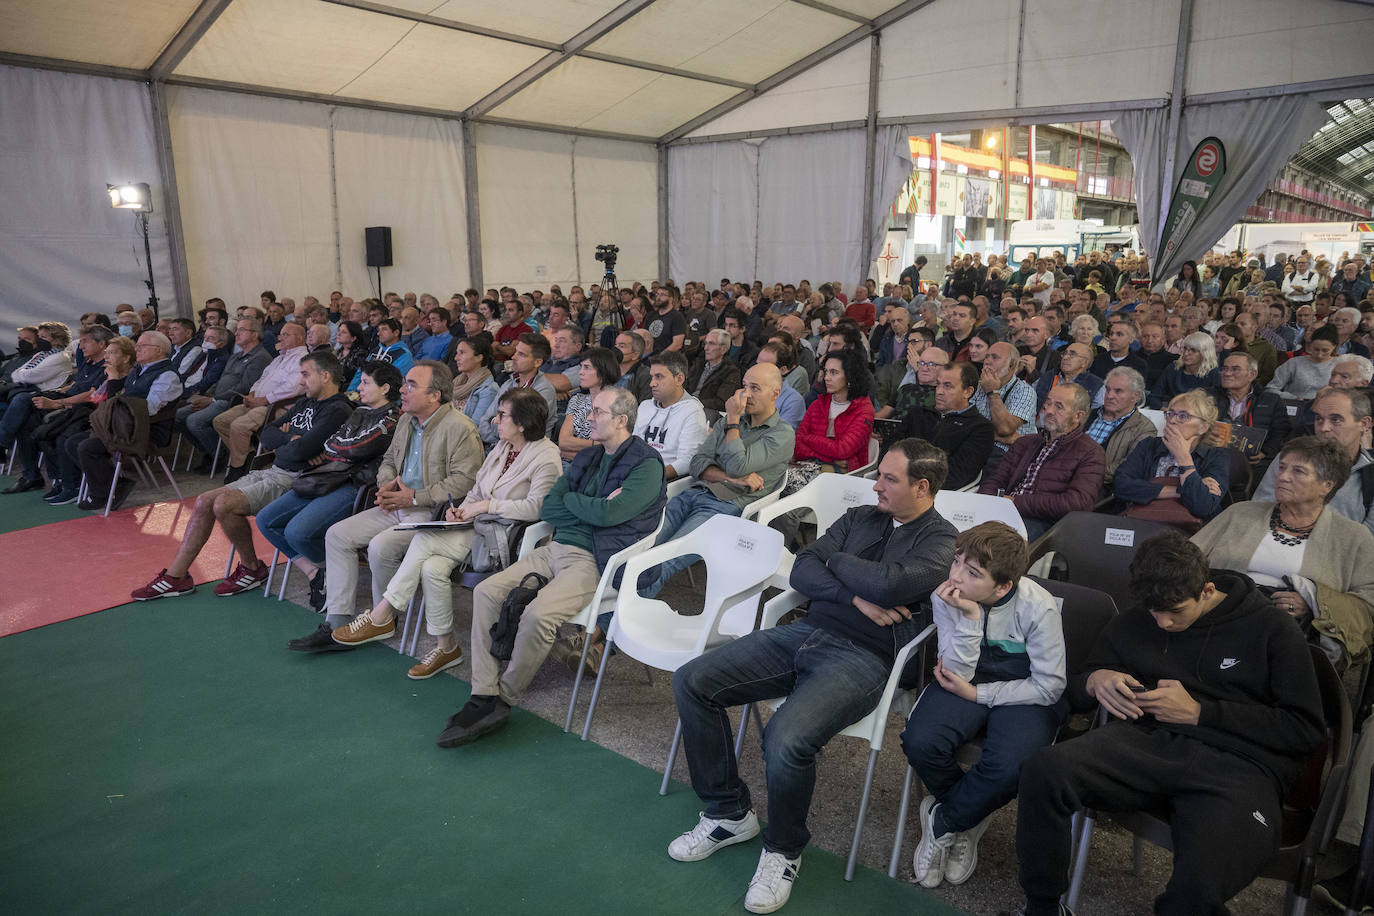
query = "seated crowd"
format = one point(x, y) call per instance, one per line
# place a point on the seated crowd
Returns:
point(1240, 419)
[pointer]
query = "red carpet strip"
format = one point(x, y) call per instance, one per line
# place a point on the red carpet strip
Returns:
point(72, 568)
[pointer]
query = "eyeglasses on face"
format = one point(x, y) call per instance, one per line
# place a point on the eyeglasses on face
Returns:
point(927, 364)
point(1181, 416)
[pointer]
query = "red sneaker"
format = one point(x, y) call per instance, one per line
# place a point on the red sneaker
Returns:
point(242, 580)
point(164, 586)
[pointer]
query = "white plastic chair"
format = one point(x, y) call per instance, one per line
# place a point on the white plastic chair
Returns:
point(871, 728)
point(603, 601)
point(1154, 416)
point(874, 450)
point(828, 496)
point(751, 511)
point(964, 510)
point(740, 558)
point(972, 485)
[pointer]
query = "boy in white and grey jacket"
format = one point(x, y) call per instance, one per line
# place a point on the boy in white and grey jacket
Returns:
point(1001, 670)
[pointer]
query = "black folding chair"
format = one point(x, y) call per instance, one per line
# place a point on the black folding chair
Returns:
point(1095, 550)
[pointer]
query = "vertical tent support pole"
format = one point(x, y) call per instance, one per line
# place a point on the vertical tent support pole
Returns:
point(1185, 28)
point(171, 203)
point(664, 268)
point(474, 210)
point(870, 150)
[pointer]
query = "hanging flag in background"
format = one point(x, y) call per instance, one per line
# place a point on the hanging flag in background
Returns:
point(1205, 169)
point(959, 240)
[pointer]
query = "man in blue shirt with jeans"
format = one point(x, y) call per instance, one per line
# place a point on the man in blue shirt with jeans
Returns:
point(869, 578)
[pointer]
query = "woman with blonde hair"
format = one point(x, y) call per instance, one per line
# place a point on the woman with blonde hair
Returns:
point(1175, 477)
point(1196, 367)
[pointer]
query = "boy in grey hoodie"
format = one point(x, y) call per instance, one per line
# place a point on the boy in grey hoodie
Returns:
point(1000, 670)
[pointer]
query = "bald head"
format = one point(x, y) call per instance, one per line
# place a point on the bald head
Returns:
point(762, 384)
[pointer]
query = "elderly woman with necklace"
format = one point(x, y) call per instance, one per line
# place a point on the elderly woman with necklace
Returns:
point(1317, 565)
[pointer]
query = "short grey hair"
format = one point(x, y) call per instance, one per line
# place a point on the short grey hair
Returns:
point(1134, 380)
point(440, 380)
point(719, 335)
point(624, 404)
point(1350, 312)
point(1249, 359)
point(160, 339)
point(1363, 367)
point(1082, 401)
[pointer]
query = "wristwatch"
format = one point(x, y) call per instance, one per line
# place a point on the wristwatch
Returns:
point(730, 426)
point(413, 500)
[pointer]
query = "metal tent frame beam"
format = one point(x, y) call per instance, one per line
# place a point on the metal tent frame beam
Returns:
point(588, 36)
point(186, 38)
point(871, 27)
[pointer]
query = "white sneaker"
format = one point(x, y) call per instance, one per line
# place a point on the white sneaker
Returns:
point(772, 882)
point(710, 834)
point(962, 857)
point(928, 863)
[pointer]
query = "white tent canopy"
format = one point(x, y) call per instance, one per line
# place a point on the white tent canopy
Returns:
point(503, 139)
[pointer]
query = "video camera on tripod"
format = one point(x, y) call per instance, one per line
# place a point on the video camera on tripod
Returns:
point(607, 254)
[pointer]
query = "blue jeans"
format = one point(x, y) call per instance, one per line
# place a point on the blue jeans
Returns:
point(296, 525)
point(941, 723)
point(12, 419)
point(830, 684)
point(685, 513)
point(199, 428)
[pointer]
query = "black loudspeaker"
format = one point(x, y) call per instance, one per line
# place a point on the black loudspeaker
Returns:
point(378, 246)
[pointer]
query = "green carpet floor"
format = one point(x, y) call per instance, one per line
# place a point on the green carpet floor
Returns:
point(27, 510)
point(174, 757)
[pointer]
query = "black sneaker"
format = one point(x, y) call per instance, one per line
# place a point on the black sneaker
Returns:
point(122, 491)
point(317, 594)
point(56, 488)
point(481, 716)
point(322, 640)
point(235, 473)
point(64, 498)
point(1338, 889)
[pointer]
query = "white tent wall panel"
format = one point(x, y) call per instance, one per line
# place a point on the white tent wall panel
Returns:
point(811, 197)
point(1270, 42)
point(1126, 54)
point(713, 211)
point(726, 38)
point(920, 75)
point(616, 188)
point(254, 181)
point(524, 180)
point(94, 31)
point(834, 90)
point(66, 251)
point(405, 172)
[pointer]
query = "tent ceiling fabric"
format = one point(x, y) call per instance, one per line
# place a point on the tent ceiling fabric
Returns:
point(93, 31)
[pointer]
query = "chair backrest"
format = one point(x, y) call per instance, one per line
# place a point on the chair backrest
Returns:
point(875, 448)
point(964, 510)
point(740, 557)
point(1154, 416)
point(1096, 550)
point(827, 496)
point(1084, 612)
point(677, 486)
point(1304, 796)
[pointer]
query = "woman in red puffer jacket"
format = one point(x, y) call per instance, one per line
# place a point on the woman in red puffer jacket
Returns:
point(839, 423)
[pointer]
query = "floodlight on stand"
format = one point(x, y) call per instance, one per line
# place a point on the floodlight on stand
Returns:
point(130, 196)
point(138, 197)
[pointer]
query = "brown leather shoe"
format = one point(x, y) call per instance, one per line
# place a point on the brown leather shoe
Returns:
point(437, 660)
point(363, 630)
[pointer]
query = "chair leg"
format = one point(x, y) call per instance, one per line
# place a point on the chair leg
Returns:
point(214, 462)
point(170, 479)
point(286, 574)
point(229, 563)
point(863, 812)
point(114, 483)
point(271, 571)
point(176, 454)
point(900, 834)
point(596, 689)
point(743, 727)
point(672, 758)
point(577, 682)
point(419, 616)
point(1080, 864)
point(83, 489)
